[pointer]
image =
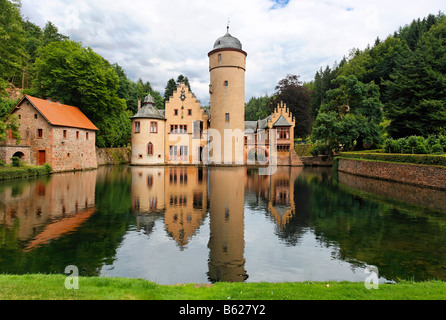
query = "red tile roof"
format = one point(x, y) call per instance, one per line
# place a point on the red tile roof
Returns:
point(61, 114)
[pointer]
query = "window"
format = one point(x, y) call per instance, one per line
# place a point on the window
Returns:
point(153, 127)
point(175, 112)
point(283, 133)
point(35, 115)
point(77, 134)
point(173, 128)
point(137, 127)
point(189, 112)
point(219, 58)
point(173, 151)
point(20, 116)
point(86, 135)
point(39, 133)
point(150, 149)
point(183, 151)
point(65, 134)
point(198, 129)
point(227, 117)
point(226, 83)
point(183, 128)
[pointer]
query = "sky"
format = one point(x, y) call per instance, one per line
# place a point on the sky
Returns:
point(157, 40)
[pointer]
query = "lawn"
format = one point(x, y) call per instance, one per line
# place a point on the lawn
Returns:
point(52, 287)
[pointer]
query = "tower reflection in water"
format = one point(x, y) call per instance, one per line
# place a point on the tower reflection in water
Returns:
point(183, 197)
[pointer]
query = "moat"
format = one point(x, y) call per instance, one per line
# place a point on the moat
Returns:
point(206, 224)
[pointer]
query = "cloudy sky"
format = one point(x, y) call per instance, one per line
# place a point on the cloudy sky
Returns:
point(159, 39)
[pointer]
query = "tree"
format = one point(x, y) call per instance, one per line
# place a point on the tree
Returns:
point(184, 79)
point(256, 108)
point(78, 76)
point(170, 89)
point(13, 56)
point(297, 98)
point(350, 117)
point(51, 34)
point(10, 124)
point(416, 92)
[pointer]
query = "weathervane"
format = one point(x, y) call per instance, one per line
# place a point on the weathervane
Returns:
point(228, 25)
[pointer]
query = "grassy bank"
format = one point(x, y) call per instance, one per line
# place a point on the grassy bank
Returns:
point(8, 172)
point(52, 287)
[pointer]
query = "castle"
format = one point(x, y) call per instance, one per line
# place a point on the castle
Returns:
point(186, 133)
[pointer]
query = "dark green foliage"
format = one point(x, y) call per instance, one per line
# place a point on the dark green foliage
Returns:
point(256, 108)
point(349, 118)
point(22, 172)
point(409, 68)
point(15, 161)
point(415, 145)
point(170, 89)
point(416, 91)
point(78, 76)
point(438, 160)
point(297, 99)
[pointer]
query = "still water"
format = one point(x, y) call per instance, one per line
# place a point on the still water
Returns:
point(192, 224)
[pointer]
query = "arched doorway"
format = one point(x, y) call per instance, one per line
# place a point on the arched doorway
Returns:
point(19, 155)
point(256, 155)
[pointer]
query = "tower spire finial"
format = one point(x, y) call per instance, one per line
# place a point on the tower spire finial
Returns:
point(228, 26)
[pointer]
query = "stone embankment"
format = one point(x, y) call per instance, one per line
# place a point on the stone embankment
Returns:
point(412, 174)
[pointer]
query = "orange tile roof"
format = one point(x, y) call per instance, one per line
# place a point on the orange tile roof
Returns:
point(61, 114)
point(60, 228)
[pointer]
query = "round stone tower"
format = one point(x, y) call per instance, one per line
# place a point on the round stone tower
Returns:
point(227, 65)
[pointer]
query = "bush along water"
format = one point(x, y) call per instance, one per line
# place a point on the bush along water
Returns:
point(416, 145)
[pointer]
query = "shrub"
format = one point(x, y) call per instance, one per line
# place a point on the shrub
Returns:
point(15, 161)
point(48, 168)
point(438, 160)
point(437, 148)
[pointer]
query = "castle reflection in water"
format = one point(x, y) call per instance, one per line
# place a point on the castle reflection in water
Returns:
point(183, 196)
point(43, 210)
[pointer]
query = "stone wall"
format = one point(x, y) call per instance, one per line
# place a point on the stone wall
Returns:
point(108, 156)
point(420, 175)
point(434, 199)
point(319, 161)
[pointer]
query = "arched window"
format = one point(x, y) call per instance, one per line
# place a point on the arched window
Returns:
point(150, 149)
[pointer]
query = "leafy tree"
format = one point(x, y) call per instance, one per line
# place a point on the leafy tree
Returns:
point(51, 34)
point(297, 98)
point(10, 124)
point(319, 87)
point(170, 89)
point(78, 76)
point(416, 91)
point(184, 79)
point(127, 89)
point(256, 108)
point(350, 117)
point(13, 56)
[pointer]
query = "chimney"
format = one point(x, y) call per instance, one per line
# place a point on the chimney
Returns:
point(139, 104)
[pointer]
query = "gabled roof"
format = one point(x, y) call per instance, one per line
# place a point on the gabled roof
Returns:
point(282, 122)
point(59, 114)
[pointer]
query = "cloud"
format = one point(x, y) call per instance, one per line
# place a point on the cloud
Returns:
point(159, 39)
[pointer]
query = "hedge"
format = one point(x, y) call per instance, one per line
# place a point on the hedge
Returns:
point(7, 173)
point(436, 160)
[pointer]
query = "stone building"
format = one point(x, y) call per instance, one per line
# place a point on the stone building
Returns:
point(189, 134)
point(52, 133)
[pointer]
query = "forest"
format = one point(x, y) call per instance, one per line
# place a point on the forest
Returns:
point(388, 91)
